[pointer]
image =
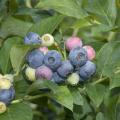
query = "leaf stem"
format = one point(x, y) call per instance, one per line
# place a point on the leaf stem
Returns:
point(28, 98)
point(111, 36)
point(99, 81)
point(56, 45)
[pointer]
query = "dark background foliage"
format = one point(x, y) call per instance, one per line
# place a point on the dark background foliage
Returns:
point(97, 22)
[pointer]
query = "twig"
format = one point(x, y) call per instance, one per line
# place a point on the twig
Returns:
point(99, 81)
point(28, 98)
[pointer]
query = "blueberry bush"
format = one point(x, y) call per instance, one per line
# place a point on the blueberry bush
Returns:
point(65, 88)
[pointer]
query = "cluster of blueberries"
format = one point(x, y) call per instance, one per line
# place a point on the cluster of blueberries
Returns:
point(7, 92)
point(43, 63)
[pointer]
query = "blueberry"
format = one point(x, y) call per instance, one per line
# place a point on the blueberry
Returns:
point(57, 78)
point(44, 49)
point(3, 107)
point(53, 59)
point(87, 70)
point(73, 79)
point(9, 77)
point(47, 40)
point(30, 74)
point(78, 56)
point(35, 58)
point(65, 69)
point(7, 96)
point(43, 72)
point(90, 52)
point(5, 83)
point(32, 38)
point(73, 42)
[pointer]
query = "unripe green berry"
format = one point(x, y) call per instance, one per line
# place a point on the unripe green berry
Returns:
point(2, 107)
point(30, 74)
point(73, 79)
point(47, 40)
point(5, 83)
point(9, 77)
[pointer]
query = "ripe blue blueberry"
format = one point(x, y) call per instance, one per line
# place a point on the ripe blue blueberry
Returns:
point(87, 70)
point(35, 58)
point(32, 38)
point(43, 72)
point(57, 78)
point(53, 59)
point(65, 69)
point(7, 96)
point(78, 56)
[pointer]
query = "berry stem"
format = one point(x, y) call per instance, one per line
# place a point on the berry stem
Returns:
point(58, 48)
point(56, 45)
point(64, 53)
point(28, 98)
point(75, 32)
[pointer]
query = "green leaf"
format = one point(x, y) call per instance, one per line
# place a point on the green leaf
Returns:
point(77, 98)
point(118, 110)
point(40, 84)
point(103, 58)
point(80, 112)
point(20, 85)
point(12, 26)
point(60, 93)
point(100, 116)
point(89, 117)
point(110, 104)
point(18, 111)
point(96, 93)
point(47, 25)
point(77, 112)
point(115, 80)
point(81, 23)
point(65, 7)
point(5, 53)
point(17, 56)
point(3, 9)
point(12, 6)
point(105, 10)
point(64, 97)
point(109, 62)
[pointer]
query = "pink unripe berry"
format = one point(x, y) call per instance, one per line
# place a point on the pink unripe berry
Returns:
point(43, 72)
point(73, 42)
point(43, 49)
point(90, 52)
